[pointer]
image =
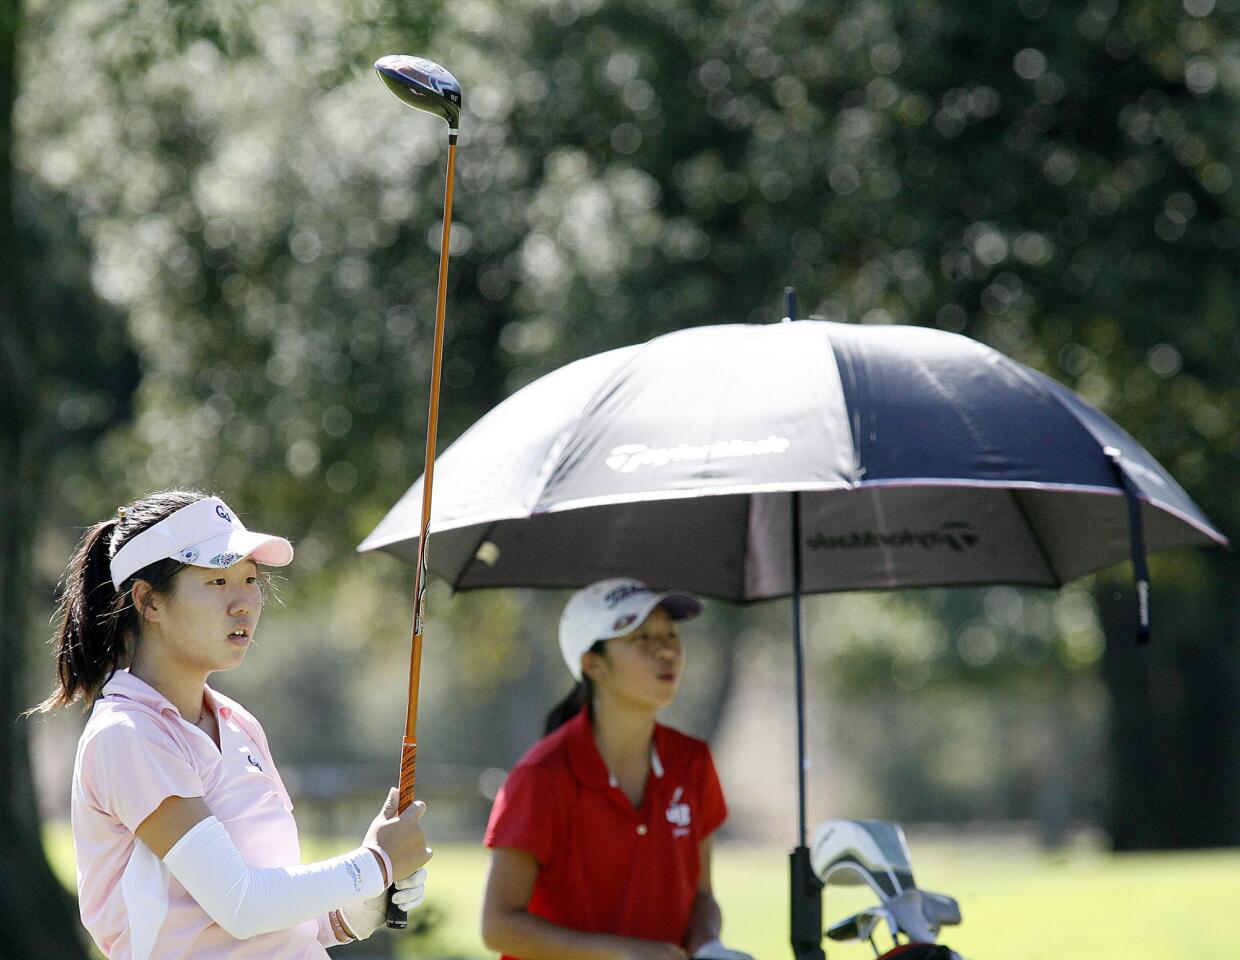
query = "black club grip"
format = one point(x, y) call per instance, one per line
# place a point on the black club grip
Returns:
point(397, 919)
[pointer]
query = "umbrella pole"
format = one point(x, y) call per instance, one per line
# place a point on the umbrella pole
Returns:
point(805, 890)
point(798, 644)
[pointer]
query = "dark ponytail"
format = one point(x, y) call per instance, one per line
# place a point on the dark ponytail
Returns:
point(97, 623)
point(582, 695)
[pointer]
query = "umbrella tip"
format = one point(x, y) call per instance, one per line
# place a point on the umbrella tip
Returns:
point(790, 304)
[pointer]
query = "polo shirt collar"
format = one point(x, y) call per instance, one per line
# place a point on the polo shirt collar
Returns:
point(124, 684)
point(587, 763)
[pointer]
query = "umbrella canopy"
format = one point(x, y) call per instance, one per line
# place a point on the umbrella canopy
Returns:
point(750, 462)
point(920, 458)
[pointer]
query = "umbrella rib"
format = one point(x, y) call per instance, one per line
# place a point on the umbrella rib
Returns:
point(853, 410)
point(1046, 557)
point(1201, 524)
point(556, 450)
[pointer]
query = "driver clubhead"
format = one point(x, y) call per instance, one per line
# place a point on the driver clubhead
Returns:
point(423, 84)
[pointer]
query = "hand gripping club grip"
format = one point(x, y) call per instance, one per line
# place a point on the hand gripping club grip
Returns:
point(397, 919)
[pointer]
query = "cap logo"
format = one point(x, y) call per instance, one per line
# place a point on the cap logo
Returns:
point(613, 597)
point(224, 559)
point(222, 513)
point(622, 622)
point(188, 555)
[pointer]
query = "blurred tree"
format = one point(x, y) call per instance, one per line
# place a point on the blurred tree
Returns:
point(1058, 182)
point(49, 403)
point(27, 882)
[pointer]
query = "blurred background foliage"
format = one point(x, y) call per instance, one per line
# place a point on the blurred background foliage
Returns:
point(219, 269)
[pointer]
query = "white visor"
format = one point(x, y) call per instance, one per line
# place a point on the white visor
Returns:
point(204, 534)
point(611, 608)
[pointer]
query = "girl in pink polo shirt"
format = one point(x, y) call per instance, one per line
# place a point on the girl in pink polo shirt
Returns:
point(601, 834)
point(183, 830)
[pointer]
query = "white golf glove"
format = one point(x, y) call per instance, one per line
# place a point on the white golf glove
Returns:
point(367, 916)
point(714, 950)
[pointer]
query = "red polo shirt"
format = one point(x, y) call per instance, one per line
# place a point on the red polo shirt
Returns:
point(604, 865)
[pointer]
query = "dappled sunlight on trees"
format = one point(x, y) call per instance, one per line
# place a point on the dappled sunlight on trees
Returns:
point(259, 219)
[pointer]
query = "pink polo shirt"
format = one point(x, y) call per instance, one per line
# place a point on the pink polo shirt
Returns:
point(135, 752)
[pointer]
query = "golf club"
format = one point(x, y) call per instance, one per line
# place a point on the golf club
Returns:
point(424, 85)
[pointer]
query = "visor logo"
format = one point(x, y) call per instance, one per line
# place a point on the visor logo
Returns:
point(222, 513)
point(622, 622)
point(224, 559)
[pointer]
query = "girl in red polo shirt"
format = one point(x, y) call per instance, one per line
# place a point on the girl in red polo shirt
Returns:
point(601, 835)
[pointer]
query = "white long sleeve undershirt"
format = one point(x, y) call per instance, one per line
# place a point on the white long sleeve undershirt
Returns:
point(247, 901)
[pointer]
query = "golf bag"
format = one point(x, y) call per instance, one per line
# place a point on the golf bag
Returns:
point(920, 951)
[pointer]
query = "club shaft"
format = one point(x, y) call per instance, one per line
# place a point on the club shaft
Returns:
point(408, 756)
point(409, 746)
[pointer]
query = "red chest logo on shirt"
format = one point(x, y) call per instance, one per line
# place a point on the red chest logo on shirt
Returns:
point(679, 815)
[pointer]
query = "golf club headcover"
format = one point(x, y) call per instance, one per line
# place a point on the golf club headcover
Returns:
point(248, 901)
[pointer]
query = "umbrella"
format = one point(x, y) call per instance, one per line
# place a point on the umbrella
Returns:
point(747, 462)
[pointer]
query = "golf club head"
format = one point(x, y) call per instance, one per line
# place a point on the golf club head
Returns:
point(860, 926)
point(423, 84)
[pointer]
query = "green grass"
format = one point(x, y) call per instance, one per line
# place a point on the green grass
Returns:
point(1018, 904)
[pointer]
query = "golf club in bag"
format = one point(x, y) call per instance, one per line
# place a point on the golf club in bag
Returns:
point(873, 853)
point(424, 85)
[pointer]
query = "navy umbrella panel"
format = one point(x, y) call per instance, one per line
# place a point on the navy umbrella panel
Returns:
point(918, 457)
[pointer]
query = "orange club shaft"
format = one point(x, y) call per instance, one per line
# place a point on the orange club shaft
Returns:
point(409, 746)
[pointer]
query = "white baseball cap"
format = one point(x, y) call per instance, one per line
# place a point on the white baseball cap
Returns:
point(612, 608)
point(204, 534)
